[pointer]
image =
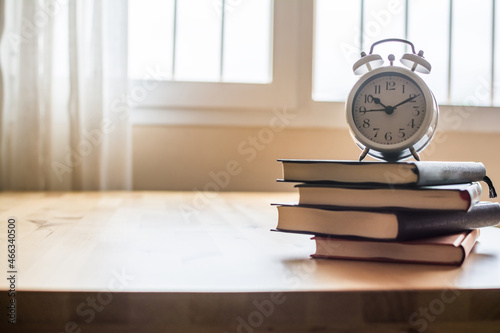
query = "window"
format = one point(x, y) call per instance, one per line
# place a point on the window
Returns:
point(460, 39)
point(196, 40)
point(191, 54)
point(299, 57)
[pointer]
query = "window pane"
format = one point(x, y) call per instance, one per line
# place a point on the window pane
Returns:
point(150, 38)
point(197, 54)
point(421, 23)
point(247, 41)
point(336, 48)
point(384, 19)
point(190, 49)
point(337, 41)
point(471, 52)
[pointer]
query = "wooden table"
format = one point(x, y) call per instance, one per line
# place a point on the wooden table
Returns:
point(207, 262)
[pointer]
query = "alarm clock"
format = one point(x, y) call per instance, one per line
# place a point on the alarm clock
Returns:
point(391, 112)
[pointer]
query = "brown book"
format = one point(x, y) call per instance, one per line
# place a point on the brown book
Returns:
point(444, 250)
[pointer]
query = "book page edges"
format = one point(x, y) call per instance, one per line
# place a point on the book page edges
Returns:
point(338, 222)
point(324, 171)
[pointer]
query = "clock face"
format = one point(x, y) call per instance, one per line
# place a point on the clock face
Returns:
point(389, 108)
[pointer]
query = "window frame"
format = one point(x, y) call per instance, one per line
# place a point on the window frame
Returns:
point(281, 91)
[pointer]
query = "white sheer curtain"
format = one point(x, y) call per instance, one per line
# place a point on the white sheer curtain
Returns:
point(64, 119)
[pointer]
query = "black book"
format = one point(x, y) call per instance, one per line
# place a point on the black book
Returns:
point(417, 173)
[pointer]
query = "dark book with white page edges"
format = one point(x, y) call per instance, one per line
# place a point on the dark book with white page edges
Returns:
point(385, 224)
point(417, 173)
point(444, 197)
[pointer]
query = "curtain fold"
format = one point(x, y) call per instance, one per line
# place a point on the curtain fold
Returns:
point(63, 125)
point(2, 24)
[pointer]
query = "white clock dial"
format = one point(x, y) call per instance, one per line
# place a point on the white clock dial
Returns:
point(389, 108)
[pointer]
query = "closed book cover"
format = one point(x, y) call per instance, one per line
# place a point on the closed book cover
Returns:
point(446, 250)
point(384, 224)
point(444, 197)
point(417, 173)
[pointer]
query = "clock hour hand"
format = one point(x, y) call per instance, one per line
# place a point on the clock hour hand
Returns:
point(387, 109)
point(406, 101)
point(375, 110)
point(376, 100)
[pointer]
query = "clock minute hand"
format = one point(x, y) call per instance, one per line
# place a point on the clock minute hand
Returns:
point(406, 101)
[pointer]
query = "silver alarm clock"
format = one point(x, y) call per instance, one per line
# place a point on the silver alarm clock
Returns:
point(391, 112)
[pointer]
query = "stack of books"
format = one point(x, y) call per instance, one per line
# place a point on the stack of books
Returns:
point(418, 212)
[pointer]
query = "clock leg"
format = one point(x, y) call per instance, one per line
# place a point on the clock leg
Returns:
point(363, 154)
point(414, 153)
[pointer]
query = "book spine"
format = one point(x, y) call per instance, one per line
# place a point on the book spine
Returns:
point(428, 224)
point(468, 244)
point(442, 173)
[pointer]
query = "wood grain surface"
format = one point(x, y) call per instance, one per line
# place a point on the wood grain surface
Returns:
point(203, 260)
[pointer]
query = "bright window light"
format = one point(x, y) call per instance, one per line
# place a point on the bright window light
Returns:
point(471, 52)
point(336, 48)
point(435, 48)
point(463, 59)
point(196, 40)
point(150, 45)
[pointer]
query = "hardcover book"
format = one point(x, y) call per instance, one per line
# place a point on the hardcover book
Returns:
point(447, 250)
point(418, 173)
point(445, 197)
point(385, 224)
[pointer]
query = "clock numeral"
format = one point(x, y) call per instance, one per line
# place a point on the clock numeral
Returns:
point(402, 133)
point(413, 96)
point(366, 123)
point(390, 85)
point(377, 89)
point(388, 136)
point(368, 99)
point(411, 123)
point(362, 110)
point(416, 110)
point(376, 129)
point(403, 88)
